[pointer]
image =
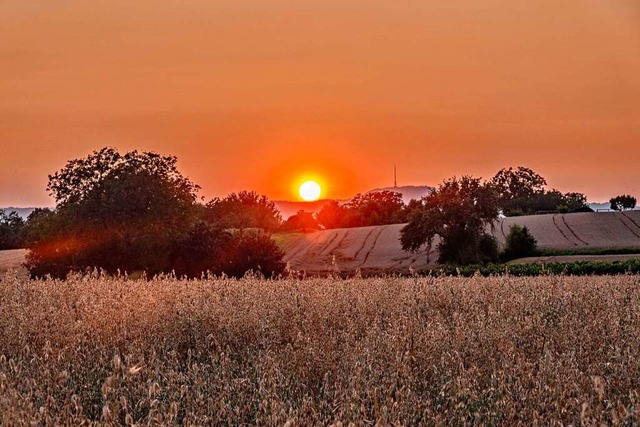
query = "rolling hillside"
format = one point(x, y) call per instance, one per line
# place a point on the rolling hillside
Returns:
point(375, 249)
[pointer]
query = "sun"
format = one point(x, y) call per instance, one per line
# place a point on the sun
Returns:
point(310, 191)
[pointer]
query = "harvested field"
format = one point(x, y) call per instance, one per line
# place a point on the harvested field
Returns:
point(12, 260)
point(377, 249)
point(580, 230)
point(552, 350)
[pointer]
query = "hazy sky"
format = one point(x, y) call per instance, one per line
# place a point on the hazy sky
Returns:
point(253, 94)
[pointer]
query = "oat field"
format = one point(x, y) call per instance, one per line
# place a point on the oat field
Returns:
point(550, 350)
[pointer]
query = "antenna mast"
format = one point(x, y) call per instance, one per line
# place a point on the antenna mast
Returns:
point(395, 177)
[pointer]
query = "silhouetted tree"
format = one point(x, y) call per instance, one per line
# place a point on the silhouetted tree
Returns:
point(519, 243)
point(113, 212)
point(332, 215)
point(301, 221)
point(246, 209)
point(135, 212)
point(38, 225)
point(521, 192)
point(11, 230)
point(458, 211)
point(623, 202)
point(200, 250)
point(574, 201)
point(414, 205)
point(377, 208)
point(251, 251)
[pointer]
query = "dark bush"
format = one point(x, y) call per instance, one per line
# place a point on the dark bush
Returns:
point(519, 243)
point(251, 251)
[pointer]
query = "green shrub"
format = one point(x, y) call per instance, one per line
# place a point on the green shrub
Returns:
point(520, 243)
point(579, 268)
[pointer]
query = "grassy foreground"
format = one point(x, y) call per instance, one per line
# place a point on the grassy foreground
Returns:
point(502, 350)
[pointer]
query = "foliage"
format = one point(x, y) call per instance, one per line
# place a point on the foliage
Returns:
point(488, 247)
point(521, 192)
point(210, 249)
point(332, 215)
point(301, 221)
point(252, 252)
point(38, 226)
point(374, 208)
point(200, 250)
point(519, 183)
point(590, 251)
point(620, 203)
point(91, 350)
point(458, 211)
point(578, 268)
point(136, 212)
point(246, 209)
point(11, 230)
point(519, 243)
point(115, 212)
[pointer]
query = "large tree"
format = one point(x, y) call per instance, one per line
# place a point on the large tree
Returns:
point(246, 209)
point(458, 211)
point(521, 191)
point(135, 212)
point(113, 212)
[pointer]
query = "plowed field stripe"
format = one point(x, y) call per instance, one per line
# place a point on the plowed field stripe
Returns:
point(631, 219)
point(626, 225)
point(571, 230)
point(562, 232)
point(373, 245)
point(364, 243)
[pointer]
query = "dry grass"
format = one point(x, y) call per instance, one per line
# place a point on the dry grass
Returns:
point(454, 351)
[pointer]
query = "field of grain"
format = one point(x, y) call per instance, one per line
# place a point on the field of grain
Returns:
point(403, 351)
point(12, 260)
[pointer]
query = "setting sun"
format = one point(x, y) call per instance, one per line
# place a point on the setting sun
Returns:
point(310, 191)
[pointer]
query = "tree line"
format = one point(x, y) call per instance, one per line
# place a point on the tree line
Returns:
point(136, 212)
point(459, 212)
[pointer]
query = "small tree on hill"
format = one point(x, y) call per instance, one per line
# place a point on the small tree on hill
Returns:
point(519, 243)
point(620, 203)
point(458, 211)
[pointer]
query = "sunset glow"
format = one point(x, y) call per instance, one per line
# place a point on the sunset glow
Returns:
point(244, 93)
point(310, 191)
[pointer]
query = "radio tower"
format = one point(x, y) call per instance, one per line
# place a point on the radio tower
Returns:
point(395, 177)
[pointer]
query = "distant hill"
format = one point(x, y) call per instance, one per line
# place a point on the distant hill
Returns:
point(23, 212)
point(408, 192)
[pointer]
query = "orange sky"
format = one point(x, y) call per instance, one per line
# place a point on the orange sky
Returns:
point(259, 94)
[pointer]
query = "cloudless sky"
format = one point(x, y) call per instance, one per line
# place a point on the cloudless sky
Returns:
point(260, 94)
